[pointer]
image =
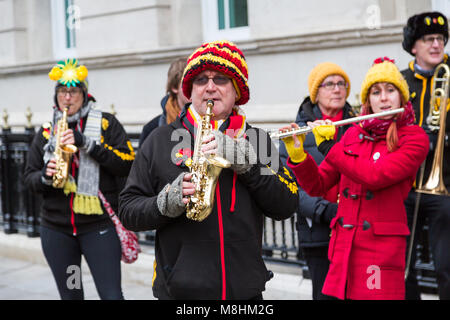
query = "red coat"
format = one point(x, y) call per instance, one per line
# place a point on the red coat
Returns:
point(368, 242)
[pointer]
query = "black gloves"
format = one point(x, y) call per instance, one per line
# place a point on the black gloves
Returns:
point(325, 212)
point(83, 142)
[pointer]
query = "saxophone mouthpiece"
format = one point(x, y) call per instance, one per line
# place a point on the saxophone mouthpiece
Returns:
point(209, 106)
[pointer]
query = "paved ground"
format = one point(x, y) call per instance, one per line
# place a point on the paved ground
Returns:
point(25, 275)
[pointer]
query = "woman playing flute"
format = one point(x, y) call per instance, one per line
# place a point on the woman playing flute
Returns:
point(375, 164)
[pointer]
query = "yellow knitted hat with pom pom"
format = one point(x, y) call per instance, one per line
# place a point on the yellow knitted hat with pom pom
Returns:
point(319, 73)
point(384, 70)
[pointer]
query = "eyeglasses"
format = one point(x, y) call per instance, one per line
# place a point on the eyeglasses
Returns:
point(331, 85)
point(429, 40)
point(72, 92)
point(218, 80)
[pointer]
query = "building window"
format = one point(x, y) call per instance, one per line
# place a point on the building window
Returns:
point(232, 14)
point(225, 19)
point(65, 22)
point(70, 25)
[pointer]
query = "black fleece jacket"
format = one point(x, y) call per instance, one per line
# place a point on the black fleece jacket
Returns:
point(222, 255)
point(114, 155)
point(420, 93)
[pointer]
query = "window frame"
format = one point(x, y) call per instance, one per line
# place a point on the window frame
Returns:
point(62, 35)
point(211, 31)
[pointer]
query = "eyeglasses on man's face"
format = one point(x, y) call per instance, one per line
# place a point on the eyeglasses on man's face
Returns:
point(331, 85)
point(429, 40)
point(62, 92)
point(218, 80)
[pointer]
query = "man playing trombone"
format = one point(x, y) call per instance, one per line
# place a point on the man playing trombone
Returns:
point(374, 164)
point(425, 37)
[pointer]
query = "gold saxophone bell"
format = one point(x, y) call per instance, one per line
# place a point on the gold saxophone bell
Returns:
point(205, 170)
point(436, 120)
point(63, 153)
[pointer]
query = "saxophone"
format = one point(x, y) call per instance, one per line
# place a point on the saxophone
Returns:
point(63, 153)
point(205, 170)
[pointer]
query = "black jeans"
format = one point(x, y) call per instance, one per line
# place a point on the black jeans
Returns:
point(318, 265)
point(102, 252)
point(437, 210)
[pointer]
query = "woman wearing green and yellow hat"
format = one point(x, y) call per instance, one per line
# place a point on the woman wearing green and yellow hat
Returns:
point(73, 219)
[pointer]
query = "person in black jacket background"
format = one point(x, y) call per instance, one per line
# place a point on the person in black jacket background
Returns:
point(221, 256)
point(172, 103)
point(73, 220)
point(424, 37)
point(329, 86)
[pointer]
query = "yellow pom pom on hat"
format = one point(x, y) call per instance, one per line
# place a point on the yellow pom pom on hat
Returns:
point(68, 73)
point(319, 73)
point(384, 70)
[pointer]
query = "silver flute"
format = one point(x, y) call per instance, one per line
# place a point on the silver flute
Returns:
point(307, 129)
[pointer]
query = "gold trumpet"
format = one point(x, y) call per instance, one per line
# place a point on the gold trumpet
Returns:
point(436, 121)
point(307, 129)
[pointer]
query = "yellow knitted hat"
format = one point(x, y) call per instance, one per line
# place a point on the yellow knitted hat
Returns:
point(319, 73)
point(384, 70)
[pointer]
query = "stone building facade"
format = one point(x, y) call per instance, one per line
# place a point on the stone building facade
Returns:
point(128, 45)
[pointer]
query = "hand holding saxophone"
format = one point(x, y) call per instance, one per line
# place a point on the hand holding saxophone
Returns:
point(67, 137)
point(174, 197)
point(50, 168)
point(239, 152)
point(188, 188)
point(209, 145)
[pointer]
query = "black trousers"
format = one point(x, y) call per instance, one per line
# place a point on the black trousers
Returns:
point(437, 210)
point(318, 265)
point(102, 252)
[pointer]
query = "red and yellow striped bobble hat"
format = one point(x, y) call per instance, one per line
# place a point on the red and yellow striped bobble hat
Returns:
point(221, 56)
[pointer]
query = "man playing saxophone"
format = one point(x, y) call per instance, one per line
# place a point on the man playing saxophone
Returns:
point(424, 37)
point(216, 254)
point(73, 219)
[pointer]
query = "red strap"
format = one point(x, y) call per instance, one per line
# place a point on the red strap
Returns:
point(72, 216)
point(72, 213)
point(233, 193)
point(222, 249)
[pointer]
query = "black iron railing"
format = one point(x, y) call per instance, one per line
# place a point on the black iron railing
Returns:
point(20, 208)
